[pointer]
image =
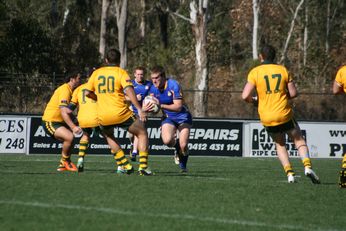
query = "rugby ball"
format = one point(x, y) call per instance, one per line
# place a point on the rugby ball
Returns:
point(150, 99)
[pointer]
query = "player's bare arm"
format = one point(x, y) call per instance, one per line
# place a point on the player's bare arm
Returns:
point(247, 93)
point(91, 95)
point(175, 106)
point(66, 115)
point(337, 88)
point(292, 90)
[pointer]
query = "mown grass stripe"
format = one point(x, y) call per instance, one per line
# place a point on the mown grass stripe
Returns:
point(164, 215)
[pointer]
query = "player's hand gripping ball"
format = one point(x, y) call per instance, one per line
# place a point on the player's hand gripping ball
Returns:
point(155, 108)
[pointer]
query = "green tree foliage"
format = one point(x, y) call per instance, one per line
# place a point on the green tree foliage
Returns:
point(26, 47)
point(49, 36)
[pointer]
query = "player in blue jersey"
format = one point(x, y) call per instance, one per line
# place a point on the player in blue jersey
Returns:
point(176, 116)
point(141, 87)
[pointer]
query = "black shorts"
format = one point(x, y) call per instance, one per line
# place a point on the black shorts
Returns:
point(89, 131)
point(50, 127)
point(124, 125)
point(282, 128)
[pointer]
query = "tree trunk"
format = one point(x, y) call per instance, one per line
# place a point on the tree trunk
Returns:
point(142, 24)
point(305, 42)
point(103, 30)
point(121, 15)
point(283, 56)
point(255, 7)
point(329, 23)
point(198, 19)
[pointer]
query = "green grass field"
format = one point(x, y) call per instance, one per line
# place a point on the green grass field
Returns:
point(217, 194)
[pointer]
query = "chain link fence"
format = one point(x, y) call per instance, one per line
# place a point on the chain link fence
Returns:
point(29, 94)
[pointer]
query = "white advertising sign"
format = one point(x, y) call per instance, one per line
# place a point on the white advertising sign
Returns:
point(325, 140)
point(13, 133)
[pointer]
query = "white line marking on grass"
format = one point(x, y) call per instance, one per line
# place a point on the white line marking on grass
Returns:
point(163, 215)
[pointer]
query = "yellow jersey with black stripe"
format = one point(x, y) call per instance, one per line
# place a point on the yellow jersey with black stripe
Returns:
point(340, 77)
point(271, 84)
point(109, 83)
point(60, 98)
point(87, 108)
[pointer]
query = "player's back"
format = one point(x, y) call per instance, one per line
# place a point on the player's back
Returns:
point(87, 107)
point(109, 83)
point(271, 84)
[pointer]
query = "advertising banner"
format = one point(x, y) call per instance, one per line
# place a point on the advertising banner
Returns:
point(325, 140)
point(13, 132)
point(207, 137)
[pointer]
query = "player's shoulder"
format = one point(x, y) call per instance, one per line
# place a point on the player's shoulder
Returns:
point(63, 87)
point(342, 68)
point(148, 83)
point(80, 87)
point(172, 82)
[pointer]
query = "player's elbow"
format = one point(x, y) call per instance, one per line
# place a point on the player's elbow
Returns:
point(293, 94)
point(336, 90)
point(246, 98)
point(178, 108)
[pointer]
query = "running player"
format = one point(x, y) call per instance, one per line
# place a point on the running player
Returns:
point(339, 87)
point(176, 116)
point(275, 87)
point(107, 85)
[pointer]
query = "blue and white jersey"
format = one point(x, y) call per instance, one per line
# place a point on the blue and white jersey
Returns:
point(143, 90)
point(172, 91)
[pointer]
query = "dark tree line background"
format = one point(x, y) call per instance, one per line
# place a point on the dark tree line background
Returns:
point(41, 39)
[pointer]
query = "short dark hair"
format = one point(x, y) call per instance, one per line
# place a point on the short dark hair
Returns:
point(268, 53)
point(158, 70)
point(141, 68)
point(113, 56)
point(71, 74)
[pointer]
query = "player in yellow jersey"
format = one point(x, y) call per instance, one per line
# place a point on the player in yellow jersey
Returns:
point(57, 120)
point(108, 85)
point(339, 87)
point(87, 120)
point(274, 88)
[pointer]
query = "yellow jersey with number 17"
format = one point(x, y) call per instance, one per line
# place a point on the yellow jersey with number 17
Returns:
point(87, 108)
point(340, 77)
point(109, 83)
point(271, 85)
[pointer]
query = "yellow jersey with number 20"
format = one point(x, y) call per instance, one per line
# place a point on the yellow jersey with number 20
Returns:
point(109, 83)
point(271, 81)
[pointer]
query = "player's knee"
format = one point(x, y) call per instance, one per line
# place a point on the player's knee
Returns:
point(69, 137)
point(184, 145)
point(168, 141)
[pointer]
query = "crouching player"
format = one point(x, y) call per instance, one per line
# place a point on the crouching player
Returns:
point(57, 120)
point(176, 116)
